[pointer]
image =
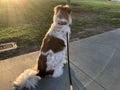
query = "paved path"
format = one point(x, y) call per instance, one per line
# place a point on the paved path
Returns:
point(116, 0)
point(95, 64)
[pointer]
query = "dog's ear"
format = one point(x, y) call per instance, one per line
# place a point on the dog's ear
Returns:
point(57, 8)
point(68, 8)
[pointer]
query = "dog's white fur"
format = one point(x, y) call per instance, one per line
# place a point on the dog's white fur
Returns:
point(27, 79)
point(55, 61)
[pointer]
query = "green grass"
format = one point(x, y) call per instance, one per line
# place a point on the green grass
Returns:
point(26, 21)
point(105, 11)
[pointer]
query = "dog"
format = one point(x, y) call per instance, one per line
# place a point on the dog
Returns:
point(52, 55)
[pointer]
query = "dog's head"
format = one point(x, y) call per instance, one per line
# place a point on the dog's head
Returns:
point(62, 14)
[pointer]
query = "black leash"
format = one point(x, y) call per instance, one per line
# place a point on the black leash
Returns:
point(69, 72)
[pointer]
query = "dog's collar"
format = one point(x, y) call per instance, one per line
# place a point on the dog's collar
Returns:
point(62, 23)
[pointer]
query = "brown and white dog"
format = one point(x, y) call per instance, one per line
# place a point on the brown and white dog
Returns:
point(52, 53)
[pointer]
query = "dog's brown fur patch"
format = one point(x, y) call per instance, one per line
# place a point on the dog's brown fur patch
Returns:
point(42, 66)
point(48, 43)
point(52, 43)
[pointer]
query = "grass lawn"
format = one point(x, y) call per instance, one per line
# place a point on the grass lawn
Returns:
point(26, 21)
point(91, 17)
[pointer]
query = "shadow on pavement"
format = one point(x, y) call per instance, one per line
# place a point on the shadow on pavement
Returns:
point(61, 83)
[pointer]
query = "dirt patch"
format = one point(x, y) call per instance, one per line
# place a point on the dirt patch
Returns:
point(84, 15)
point(87, 32)
point(89, 24)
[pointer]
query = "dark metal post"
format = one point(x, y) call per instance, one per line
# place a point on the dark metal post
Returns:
point(69, 2)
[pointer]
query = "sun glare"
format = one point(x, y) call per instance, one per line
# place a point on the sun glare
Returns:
point(12, 11)
point(8, 0)
point(14, 1)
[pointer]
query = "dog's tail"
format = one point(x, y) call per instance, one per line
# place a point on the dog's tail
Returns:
point(27, 79)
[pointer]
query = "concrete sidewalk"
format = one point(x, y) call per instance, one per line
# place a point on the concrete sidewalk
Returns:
point(95, 64)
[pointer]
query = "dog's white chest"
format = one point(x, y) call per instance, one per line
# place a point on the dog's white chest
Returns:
point(60, 32)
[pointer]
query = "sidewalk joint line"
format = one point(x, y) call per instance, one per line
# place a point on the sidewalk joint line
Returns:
point(88, 76)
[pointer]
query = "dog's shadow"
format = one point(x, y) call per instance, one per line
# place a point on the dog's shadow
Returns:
point(61, 83)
